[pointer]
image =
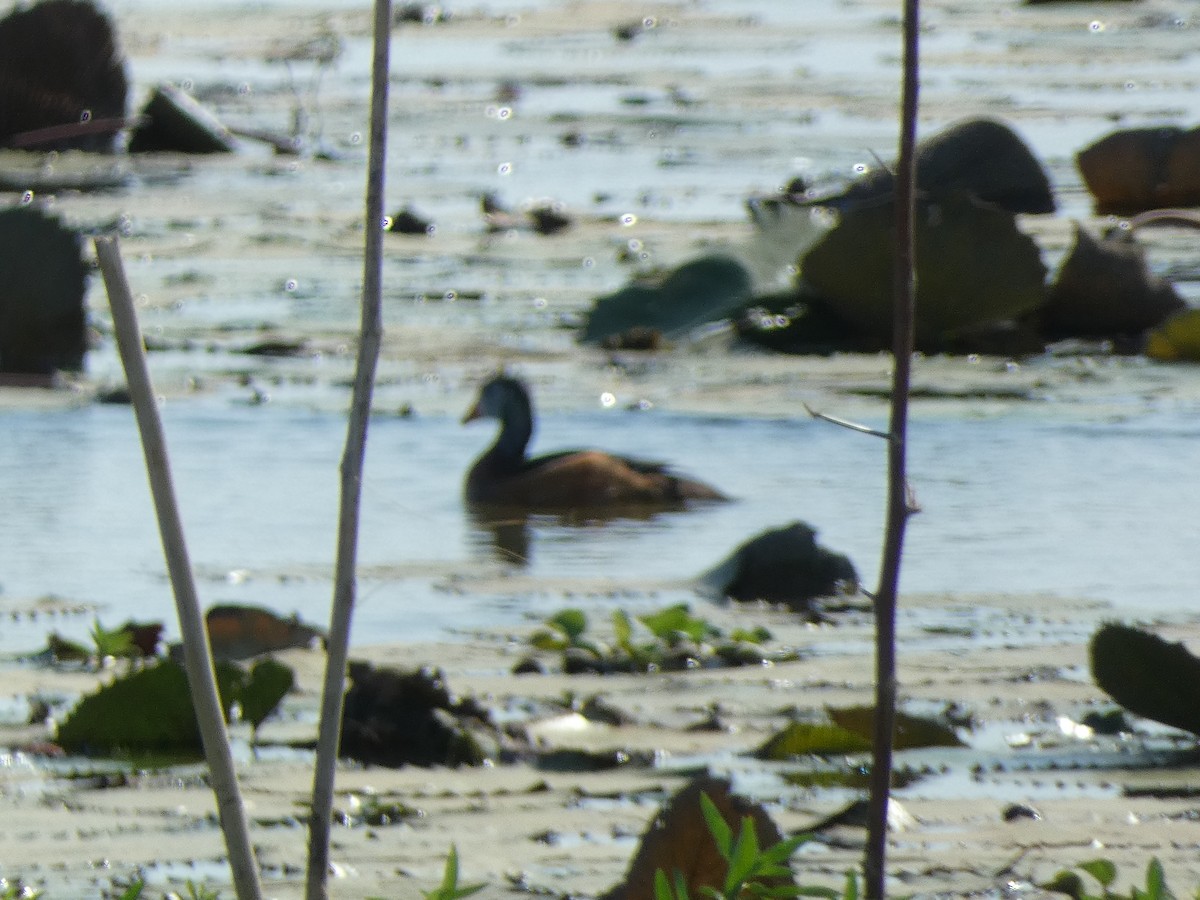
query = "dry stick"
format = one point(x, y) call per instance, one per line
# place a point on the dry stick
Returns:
point(371, 331)
point(898, 506)
point(196, 651)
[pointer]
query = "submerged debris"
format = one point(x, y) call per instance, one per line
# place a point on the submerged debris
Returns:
point(395, 718)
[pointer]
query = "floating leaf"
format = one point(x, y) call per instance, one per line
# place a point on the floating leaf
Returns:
point(117, 643)
point(1103, 870)
point(702, 290)
point(1178, 338)
point(1147, 675)
point(1065, 882)
point(912, 732)
point(548, 640)
point(63, 650)
point(975, 268)
point(146, 711)
point(571, 622)
point(759, 635)
point(269, 682)
point(808, 739)
point(623, 630)
point(668, 623)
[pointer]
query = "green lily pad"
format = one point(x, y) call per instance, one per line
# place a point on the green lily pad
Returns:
point(975, 268)
point(703, 290)
point(912, 732)
point(809, 739)
point(268, 683)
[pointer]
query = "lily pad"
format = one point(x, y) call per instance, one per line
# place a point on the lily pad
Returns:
point(703, 290)
point(1104, 288)
point(912, 732)
point(811, 739)
point(975, 269)
point(1176, 339)
point(680, 839)
point(147, 711)
point(263, 689)
point(1147, 675)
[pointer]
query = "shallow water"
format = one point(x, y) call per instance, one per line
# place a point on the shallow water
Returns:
point(1011, 503)
point(713, 102)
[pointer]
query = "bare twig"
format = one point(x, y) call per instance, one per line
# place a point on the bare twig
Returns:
point(899, 506)
point(371, 336)
point(846, 423)
point(197, 653)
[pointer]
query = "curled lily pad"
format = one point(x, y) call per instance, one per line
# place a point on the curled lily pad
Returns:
point(1147, 675)
point(811, 739)
point(912, 732)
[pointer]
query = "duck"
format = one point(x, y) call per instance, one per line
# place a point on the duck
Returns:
point(569, 479)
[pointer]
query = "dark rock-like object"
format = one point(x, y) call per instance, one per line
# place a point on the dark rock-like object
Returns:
point(1143, 168)
point(1148, 676)
point(783, 565)
point(1104, 289)
point(975, 269)
point(43, 280)
point(980, 157)
point(678, 840)
point(394, 718)
point(409, 221)
point(60, 74)
point(145, 637)
point(703, 290)
point(549, 219)
point(240, 632)
point(794, 323)
point(172, 121)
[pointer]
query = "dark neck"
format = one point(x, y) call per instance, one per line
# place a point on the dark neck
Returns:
point(508, 453)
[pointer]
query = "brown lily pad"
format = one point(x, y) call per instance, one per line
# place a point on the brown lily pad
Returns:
point(678, 840)
point(1105, 289)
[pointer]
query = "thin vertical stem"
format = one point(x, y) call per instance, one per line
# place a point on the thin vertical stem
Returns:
point(197, 653)
point(874, 866)
point(345, 579)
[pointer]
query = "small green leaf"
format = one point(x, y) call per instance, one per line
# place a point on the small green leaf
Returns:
point(722, 834)
point(1156, 886)
point(681, 886)
point(851, 891)
point(571, 622)
point(623, 630)
point(805, 738)
point(667, 624)
point(1066, 882)
point(782, 852)
point(1103, 870)
point(662, 887)
point(269, 682)
point(743, 858)
point(449, 889)
point(757, 635)
point(117, 643)
point(548, 640)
